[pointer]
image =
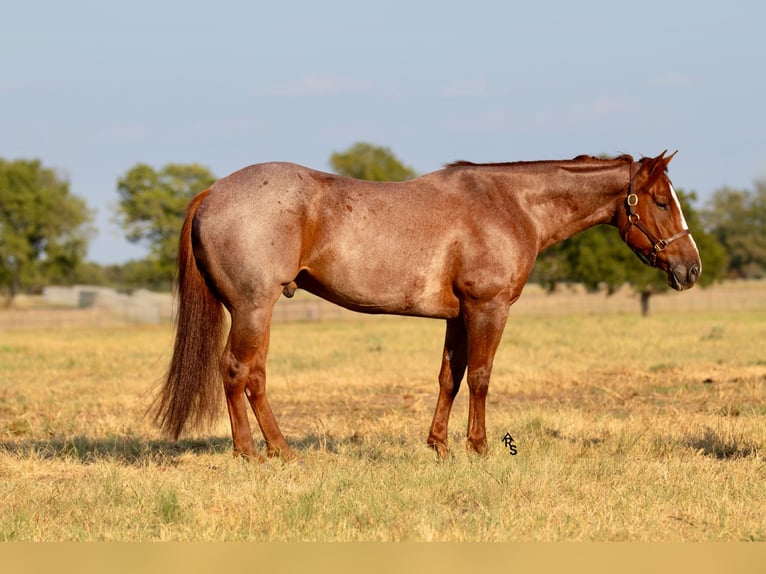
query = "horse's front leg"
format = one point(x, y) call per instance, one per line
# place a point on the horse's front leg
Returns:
point(485, 329)
point(454, 359)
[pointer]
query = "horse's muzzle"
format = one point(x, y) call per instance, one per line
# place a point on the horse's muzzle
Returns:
point(683, 277)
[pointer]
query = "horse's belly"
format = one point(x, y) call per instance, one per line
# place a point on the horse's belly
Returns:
point(380, 288)
point(384, 258)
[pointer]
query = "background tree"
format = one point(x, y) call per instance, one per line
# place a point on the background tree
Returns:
point(598, 258)
point(737, 219)
point(151, 211)
point(44, 229)
point(367, 161)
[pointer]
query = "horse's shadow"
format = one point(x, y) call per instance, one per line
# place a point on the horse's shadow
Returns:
point(129, 450)
point(138, 451)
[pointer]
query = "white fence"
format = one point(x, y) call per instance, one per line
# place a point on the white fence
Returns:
point(141, 306)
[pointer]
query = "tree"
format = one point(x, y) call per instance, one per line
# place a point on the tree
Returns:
point(598, 258)
point(151, 210)
point(737, 219)
point(44, 229)
point(367, 161)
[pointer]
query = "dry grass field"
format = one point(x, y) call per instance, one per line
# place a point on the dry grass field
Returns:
point(626, 429)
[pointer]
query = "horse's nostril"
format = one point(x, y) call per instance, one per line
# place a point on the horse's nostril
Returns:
point(694, 273)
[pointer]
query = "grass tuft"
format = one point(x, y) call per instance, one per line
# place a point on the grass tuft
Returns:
point(723, 444)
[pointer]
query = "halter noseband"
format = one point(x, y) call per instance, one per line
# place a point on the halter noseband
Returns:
point(631, 202)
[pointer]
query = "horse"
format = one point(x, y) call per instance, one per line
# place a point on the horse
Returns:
point(457, 244)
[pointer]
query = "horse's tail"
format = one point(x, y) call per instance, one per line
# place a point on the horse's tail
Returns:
point(191, 393)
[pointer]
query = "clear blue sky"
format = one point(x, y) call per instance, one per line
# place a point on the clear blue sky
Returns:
point(92, 88)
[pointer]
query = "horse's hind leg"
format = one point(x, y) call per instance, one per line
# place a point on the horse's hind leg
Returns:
point(244, 371)
point(454, 359)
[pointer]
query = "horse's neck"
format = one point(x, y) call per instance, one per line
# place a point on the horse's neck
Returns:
point(578, 202)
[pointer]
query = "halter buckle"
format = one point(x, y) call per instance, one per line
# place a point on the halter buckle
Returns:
point(632, 200)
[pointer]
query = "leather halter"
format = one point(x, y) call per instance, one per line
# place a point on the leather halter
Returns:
point(634, 220)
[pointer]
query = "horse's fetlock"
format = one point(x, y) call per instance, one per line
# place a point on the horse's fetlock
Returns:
point(479, 446)
point(441, 447)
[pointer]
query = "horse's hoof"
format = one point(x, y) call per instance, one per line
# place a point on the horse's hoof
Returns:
point(441, 448)
point(285, 455)
point(249, 455)
point(479, 447)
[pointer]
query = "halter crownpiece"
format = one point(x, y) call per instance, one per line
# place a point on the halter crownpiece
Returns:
point(659, 245)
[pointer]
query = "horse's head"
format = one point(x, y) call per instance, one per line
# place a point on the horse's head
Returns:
point(653, 225)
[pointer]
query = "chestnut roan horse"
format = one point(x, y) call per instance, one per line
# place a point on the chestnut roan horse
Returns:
point(457, 244)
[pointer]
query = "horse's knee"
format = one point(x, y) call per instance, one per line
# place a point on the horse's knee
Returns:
point(479, 385)
point(479, 374)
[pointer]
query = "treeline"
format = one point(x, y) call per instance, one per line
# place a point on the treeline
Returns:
point(45, 229)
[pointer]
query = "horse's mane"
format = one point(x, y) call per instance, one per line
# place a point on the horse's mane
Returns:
point(579, 159)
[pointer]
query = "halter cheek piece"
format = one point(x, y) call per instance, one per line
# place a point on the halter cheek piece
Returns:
point(631, 202)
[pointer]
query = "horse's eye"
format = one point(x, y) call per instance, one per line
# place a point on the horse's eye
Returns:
point(662, 205)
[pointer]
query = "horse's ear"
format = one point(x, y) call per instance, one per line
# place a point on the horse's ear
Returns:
point(657, 166)
point(662, 162)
